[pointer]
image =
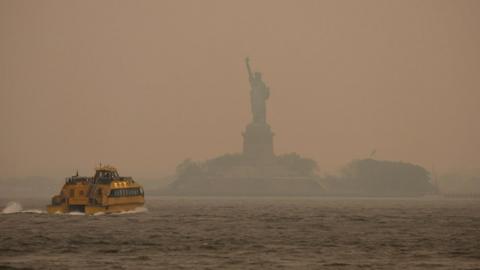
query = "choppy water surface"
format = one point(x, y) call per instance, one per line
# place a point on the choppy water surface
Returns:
point(242, 233)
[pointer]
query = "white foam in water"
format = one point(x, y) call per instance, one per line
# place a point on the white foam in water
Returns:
point(14, 207)
point(141, 209)
point(76, 214)
point(33, 211)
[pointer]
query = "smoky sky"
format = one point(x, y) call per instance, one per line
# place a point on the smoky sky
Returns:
point(145, 84)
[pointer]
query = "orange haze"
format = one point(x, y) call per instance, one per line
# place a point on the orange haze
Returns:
point(145, 84)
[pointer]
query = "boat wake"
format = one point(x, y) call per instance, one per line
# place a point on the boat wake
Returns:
point(137, 210)
point(14, 207)
point(73, 213)
point(141, 209)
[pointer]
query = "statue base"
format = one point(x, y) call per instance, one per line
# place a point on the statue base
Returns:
point(258, 142)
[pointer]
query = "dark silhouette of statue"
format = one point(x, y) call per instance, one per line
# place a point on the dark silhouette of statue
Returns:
point(258, 138)
point(259, 93)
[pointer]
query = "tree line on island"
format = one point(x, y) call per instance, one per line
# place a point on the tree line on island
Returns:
point(360, 177)
point(370, 177)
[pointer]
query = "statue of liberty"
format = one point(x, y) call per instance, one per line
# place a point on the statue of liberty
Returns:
point(259, 93)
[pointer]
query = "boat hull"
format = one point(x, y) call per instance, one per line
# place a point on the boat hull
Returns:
point(94, 209)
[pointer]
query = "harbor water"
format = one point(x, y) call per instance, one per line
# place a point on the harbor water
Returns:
point(247, 233)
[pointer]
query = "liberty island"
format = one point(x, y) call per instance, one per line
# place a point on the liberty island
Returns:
point(257, 171)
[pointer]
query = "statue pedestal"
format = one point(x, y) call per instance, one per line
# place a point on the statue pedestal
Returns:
point(258, 142)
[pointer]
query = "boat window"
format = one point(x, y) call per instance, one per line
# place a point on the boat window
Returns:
point(72, 193)
point(81, 193)
point(125, 192)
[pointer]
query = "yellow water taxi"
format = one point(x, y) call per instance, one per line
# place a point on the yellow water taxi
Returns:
point(105, 192)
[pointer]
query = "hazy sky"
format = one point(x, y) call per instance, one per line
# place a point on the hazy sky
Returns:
point(145, 84)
